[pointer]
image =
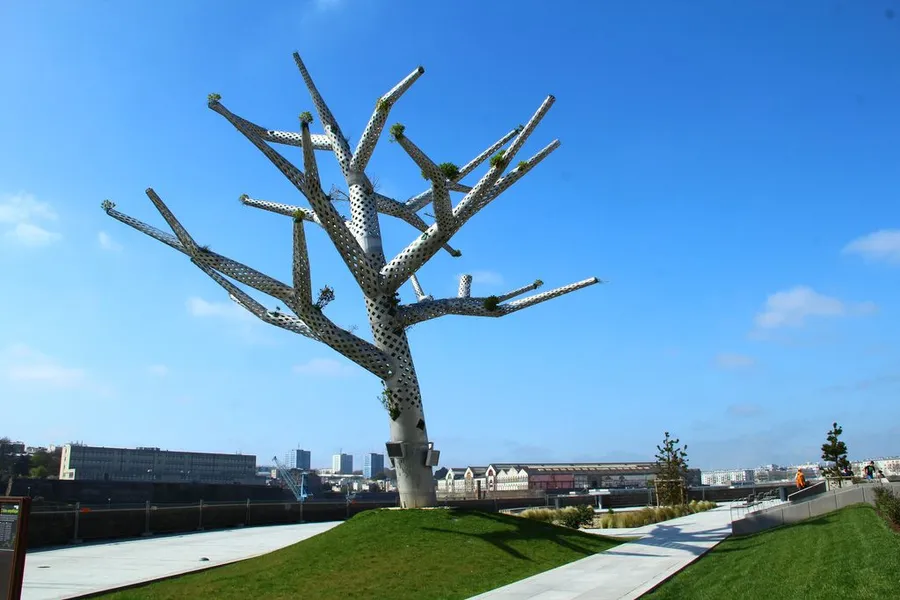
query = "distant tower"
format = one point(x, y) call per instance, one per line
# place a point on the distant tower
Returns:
point(373, 464)
point(342, 463)
point(299, 459)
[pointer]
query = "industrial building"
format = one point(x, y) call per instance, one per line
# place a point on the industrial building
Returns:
point(152, 464)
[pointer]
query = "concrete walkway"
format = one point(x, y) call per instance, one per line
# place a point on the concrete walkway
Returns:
point(79, 570)
point(631, 569)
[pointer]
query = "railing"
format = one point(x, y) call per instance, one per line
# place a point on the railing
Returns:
point(755, 503)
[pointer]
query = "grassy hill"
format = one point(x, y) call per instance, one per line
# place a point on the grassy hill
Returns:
point(418, 554)
point(848, 554)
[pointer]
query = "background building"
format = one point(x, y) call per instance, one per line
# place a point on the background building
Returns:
point(298, 459)
point(152, 464)
point(728, 477)
point(373, 464)
point(342, 464)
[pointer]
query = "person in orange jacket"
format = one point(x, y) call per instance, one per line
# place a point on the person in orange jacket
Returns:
point(800, 479)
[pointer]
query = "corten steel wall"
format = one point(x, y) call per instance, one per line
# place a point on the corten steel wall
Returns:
point(56, 527)
point(126, 492)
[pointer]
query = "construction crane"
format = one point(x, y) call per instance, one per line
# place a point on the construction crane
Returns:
point(299, 491)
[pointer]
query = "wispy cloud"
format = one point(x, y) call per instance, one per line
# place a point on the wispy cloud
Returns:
point(488, 278)
point(18, 216)
point(325, 367)
point(107, 243)
point(24, 365)
point(728, 360)
point(883, 245)
point(158, 370)
point(744, 410)
point(199, 307)
point(792, 308)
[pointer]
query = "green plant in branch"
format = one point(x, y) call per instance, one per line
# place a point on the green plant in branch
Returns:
point(387, 401)
point(298, 215)
point(326, 295)
point(499, 159)
point(306, 117)
point(213, 98)
point(243, 198)
point(449, 170)
point(522, 165)
point(491, 303)
point(383, 104)
point(538, 283)
point(204, 248)
point(397, 130)
point(107, 205)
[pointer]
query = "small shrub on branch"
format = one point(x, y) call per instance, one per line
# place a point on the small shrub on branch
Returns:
point(326, 296)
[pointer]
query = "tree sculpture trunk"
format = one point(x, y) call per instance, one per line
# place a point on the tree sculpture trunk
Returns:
point(358, 241)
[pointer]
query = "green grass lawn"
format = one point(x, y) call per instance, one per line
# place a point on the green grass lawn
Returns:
point(848, 554)
point(393, 554)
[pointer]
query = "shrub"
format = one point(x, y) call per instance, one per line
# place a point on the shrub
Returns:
point(397, 130)
point(306, 117)
point(499, 159)
point(650, 515)
point(888, 504)
point(213, 98)
point(544, 515)
point(449, 170)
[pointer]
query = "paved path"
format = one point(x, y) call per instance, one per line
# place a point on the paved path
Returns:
point(629, 570)
point(78, 570)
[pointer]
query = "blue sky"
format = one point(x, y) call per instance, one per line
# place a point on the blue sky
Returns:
point(731, 171)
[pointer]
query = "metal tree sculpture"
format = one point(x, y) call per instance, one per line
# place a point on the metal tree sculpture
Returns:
point(358, 241)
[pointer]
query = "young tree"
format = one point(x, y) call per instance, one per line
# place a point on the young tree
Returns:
point(672, 466)
point(358, 241)
point(834, 451)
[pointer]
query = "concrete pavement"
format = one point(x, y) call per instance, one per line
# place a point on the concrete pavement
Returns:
point(631, 569)
point(79, 570)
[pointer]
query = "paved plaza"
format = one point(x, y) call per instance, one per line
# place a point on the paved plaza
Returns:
point(78, 570)
point(629, 570)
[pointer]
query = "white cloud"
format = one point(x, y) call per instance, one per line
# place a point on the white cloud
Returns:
point(199, 307)
point(325, 367)
point(158, 370)
point(728, 360)
point(18, 214)
point(791, 308)
point(883, 245)
point(26, 365)
point(27, 234)
point(489, 278)
point(107, 243)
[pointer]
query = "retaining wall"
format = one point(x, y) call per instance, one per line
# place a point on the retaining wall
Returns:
point(787, 514)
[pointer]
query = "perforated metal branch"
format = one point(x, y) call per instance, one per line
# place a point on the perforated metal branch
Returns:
point(420, 251)
point(373, 130)
point(522, 290)
point(480, 307)
point(465, 286)
point(440, 194)
point(363, 271)
point(420, 294)
point(420, 201)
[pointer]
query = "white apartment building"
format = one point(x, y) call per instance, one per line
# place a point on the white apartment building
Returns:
point(728, 477)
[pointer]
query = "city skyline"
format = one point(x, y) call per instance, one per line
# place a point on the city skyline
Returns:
point(735, 189)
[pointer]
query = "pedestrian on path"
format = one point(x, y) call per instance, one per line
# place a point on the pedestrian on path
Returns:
point(870, 470)
point(800, 479)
